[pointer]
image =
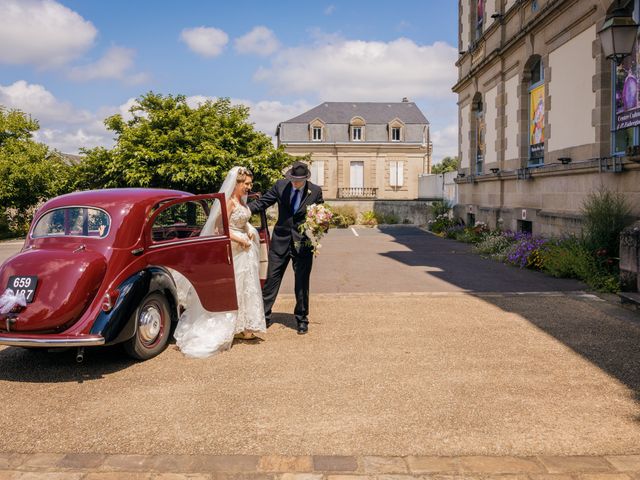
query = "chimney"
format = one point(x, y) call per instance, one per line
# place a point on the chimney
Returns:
point(405, 100)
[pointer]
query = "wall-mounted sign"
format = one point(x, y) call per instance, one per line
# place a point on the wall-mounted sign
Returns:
point(627, 95)
point(536, 123)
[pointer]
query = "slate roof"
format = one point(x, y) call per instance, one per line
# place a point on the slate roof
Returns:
point(372, 112)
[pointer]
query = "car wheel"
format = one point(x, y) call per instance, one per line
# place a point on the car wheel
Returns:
point(153, 328)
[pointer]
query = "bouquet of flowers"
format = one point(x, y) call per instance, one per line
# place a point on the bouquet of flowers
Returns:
point(316, 225)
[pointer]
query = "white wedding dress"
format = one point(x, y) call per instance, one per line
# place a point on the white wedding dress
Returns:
point(201, 333)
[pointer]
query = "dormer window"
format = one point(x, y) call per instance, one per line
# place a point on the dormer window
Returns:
point(395, 128)
point(357, 125)
point(317, 134)
point(316, 130)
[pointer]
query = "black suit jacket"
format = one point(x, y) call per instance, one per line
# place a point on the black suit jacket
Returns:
point(287, 226)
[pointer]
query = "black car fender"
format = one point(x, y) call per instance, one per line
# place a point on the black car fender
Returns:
point(119, 324)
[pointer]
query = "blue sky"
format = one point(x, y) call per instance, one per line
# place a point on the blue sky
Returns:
point(72, 62)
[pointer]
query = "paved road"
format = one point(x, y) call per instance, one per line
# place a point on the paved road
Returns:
point(446, 362)
point(407, 259)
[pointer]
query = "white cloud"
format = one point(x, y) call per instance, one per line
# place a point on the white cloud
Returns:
point(67, 128)
point(116, 64)
point(266, 114)
point(62, 126)
point(260, 41)
point(445, 142)
point(40, 103)
point(43, 33)
point(205, 41)
point(351, 70)
point(330, 9)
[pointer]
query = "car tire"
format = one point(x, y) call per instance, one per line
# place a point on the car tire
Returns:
point(153, 327)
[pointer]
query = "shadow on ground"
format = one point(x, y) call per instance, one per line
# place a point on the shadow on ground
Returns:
point(42, 366)
point(606, 335)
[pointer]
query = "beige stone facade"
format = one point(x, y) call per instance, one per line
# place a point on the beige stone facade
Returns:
point(546, 52)
point(382, 160)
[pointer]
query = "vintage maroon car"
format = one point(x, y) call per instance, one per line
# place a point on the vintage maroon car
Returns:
point(96, 269)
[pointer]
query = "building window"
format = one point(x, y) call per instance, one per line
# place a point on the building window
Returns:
point(525, 226)
point(356, 134)
point(626, 107)
point(536, 114)
point(396, 174)
point(317, 172)
point(317, 134)
point(395, 134)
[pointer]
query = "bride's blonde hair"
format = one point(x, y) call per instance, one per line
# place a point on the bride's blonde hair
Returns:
point(243, 173)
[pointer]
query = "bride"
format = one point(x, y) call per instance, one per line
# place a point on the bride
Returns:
point(201, 333)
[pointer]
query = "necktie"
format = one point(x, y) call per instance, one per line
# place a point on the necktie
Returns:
point(294, 200)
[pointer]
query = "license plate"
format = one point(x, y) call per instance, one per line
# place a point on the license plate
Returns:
point(26, 285)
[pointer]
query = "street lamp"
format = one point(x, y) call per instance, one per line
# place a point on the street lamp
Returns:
point(618, 34)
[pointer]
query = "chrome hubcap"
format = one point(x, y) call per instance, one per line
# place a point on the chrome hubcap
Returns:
point(149, 324)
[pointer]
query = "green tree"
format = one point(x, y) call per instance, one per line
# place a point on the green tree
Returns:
point(448, 164)
point(30, 172)
point(168, 144)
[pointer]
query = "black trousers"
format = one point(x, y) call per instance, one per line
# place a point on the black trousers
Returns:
point(302, 263)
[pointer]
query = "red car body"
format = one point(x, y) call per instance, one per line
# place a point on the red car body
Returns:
point(112, 283)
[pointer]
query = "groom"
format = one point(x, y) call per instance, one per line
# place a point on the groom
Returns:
point(292, 194)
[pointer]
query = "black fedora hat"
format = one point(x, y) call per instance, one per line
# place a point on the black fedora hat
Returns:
point(298, 171)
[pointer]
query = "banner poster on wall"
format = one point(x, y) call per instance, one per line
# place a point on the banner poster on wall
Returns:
point(480, 130)
point(627, 104)
point(536, 123)
point(480, 15)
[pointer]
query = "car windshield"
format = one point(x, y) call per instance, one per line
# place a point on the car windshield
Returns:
point(73, 222)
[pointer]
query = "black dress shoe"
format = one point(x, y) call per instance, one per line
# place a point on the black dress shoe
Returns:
point(303, 326)
point(269, 322)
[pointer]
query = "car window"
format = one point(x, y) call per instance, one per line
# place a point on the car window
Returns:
point(73, 222)
point(188, 220)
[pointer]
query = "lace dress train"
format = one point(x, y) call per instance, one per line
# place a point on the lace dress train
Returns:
point(201, 333)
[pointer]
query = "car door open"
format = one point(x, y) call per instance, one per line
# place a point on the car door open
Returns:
point(191, 235)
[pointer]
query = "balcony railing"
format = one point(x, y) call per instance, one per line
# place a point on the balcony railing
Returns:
point(357, 192)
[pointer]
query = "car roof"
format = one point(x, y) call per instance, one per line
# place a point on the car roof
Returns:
point(111, 198)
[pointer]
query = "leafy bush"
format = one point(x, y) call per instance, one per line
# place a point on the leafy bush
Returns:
point(441, 223)
point(566, 258)
point(606, 214)
point(454, 231)
point(441, 207)
point(343, 217)
point(369, 218)
point(493, 245)
point(386, 218)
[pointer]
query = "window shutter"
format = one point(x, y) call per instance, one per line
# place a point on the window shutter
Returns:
point(396, 174)
point(317, 172)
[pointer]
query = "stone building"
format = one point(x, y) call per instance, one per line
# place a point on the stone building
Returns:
point(362, 150)
point(544, 117)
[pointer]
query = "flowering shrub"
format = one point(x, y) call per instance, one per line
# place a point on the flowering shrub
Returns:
point(493, 244)
point(441, 223)
point(527, 252)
